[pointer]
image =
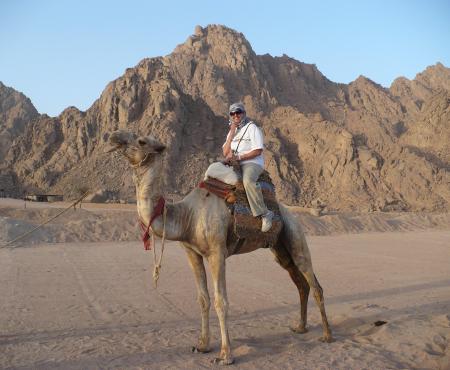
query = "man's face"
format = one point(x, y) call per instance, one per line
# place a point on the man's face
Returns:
point(236, 117)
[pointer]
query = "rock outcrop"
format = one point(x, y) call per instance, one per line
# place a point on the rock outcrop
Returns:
point(16, 112)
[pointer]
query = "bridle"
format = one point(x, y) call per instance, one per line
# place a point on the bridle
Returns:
point(142, 162)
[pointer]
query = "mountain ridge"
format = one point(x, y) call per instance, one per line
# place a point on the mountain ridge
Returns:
point(350, 146)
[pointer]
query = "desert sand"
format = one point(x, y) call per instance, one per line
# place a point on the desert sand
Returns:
point(84, 299)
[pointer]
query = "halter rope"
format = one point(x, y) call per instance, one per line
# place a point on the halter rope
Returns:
point(157, 266)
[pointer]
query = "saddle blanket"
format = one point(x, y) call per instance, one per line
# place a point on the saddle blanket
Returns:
point(245, 225)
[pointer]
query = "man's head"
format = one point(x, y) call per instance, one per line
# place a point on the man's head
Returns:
point(237, 108)
point(237, 112)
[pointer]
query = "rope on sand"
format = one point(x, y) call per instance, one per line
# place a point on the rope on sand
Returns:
point(46, 222)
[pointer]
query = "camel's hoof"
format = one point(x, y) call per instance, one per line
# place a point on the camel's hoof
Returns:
point(298, 329)
point(327, 339)
point(223, 361)
point(196, 349)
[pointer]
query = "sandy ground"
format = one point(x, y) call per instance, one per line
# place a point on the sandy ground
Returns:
point(92, 305)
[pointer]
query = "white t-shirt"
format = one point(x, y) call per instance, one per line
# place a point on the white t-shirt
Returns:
point(252, 138)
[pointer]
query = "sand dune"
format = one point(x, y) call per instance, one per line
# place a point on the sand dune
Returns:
point(118, 222)
point(92, 305)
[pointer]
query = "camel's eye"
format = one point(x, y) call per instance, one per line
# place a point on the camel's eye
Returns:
point(142, 142)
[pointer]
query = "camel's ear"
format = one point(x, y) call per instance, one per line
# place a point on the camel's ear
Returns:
point(160, 148)
point(151, 144)
point(157, 147)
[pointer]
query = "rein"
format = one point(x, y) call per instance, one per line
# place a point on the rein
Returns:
point(157, 265)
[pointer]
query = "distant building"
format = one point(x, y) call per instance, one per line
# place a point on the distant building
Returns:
point(44, 197)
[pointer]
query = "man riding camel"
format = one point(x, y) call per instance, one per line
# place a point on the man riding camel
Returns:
point(245, 144)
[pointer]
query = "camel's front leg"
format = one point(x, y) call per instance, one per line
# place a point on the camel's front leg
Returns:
point(217, 266)
point(196, 263)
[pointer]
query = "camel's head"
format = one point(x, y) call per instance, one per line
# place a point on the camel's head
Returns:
point(138, 150)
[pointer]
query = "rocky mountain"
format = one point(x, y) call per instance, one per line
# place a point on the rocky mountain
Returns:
point(351, 147)
point(16, 112)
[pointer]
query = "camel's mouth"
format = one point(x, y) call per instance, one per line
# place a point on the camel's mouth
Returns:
point(109, 148)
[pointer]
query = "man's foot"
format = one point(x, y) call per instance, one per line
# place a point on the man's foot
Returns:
point(266, 221)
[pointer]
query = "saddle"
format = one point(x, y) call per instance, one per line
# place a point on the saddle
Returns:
point(245, 226)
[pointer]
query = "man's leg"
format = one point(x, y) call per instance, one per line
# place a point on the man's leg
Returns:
point(250, 175)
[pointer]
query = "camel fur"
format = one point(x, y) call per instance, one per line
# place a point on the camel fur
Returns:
point(201, 222)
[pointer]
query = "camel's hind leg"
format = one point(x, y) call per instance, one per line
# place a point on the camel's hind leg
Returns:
point(196, 263)
point(285, 261)
point(293, 240)
point(302, 260)
point(318, 295)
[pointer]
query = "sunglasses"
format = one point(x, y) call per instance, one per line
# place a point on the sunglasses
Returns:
point(235, 113)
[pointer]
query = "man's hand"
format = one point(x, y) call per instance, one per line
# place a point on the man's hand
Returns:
point(227, 152)
point(230, 157)
point(233, 127)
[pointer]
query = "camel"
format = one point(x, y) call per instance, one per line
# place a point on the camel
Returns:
point(201, 222)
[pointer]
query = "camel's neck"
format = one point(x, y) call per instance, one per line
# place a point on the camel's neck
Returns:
point(148, 191)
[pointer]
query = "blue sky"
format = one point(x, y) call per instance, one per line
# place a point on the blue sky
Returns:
point(63, 53)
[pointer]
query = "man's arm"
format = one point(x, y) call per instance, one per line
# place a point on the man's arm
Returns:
point(227, 146)
point(250, 155)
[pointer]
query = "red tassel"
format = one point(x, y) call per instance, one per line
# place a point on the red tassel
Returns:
point(157, 211)
point(146, 236)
